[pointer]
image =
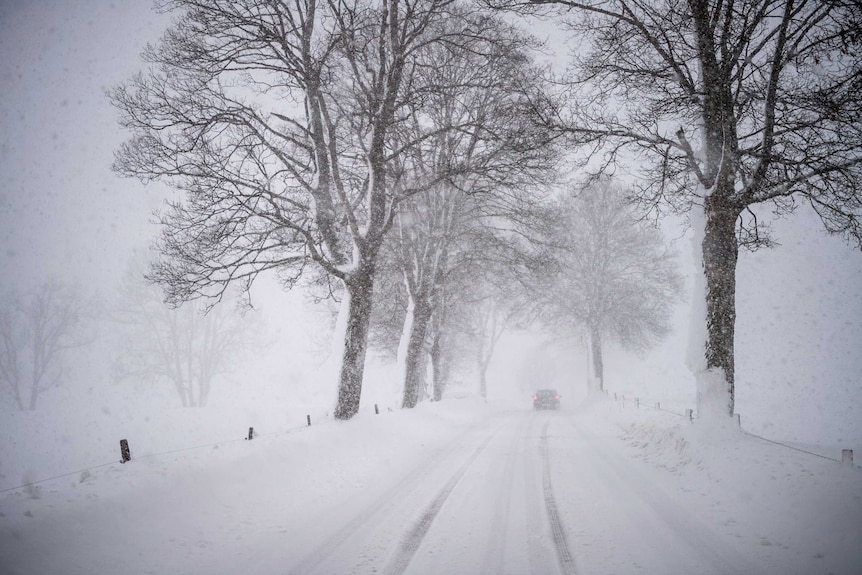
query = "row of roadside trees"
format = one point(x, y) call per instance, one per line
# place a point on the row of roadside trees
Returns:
point(613, 277)
point(401, 153)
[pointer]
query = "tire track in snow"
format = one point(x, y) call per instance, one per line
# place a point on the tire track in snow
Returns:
point(495, 552)
point(414, 537)
point(567, 562)
point(538, 555)
point(380, 507)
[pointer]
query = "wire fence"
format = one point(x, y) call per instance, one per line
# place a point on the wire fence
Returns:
point(691, 415)
point(635, 402)
point(62, 475)
point(653, 403)
point(124, 456)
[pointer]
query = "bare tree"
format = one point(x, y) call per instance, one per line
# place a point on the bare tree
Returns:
point(485, 291)
point(726, 106)
point(484, 83)
point(489, 328)
point(610, 272)
point(477, 267)
point(282, 123)
point(35, 332)
point(188, 346)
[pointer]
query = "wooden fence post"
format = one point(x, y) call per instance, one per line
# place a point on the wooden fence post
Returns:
point(125, 452)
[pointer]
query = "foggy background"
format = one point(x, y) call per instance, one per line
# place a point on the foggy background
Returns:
point(65, 215)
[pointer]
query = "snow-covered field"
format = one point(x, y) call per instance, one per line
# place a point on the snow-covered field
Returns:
point(458, 486)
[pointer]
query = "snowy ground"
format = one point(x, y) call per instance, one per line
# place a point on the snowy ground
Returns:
point(453, 487)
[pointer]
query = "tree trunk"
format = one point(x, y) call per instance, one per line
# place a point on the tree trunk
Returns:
point(414, 367)
point(483, 371)
point(358, 287)
point(17, 396)
point(720, 252)
point(439, 367)
point(598, 374)
point(34, 396)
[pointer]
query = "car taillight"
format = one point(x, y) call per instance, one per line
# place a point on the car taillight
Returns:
point(535, 398)
point(556, 397)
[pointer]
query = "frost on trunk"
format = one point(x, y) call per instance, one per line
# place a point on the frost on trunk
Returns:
point(406, 330)
point(713, 311)
point(439, 368)
point(332, 366)
point(357, 308)
point(440, 354)
point(597, 371)
point(414, 366)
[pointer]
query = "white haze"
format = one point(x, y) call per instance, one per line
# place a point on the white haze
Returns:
point(64, 214)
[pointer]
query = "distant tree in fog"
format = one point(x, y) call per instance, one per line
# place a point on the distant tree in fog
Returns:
point(489, 323)
point(186, 347)
point(607, 272)
point(36, 330)
point(491, 298)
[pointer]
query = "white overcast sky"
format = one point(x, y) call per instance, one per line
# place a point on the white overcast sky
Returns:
point(62, 211)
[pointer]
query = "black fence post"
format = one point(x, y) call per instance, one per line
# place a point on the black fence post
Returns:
point(376, 411)
point(847, 457)
point(308, 419)
point(250, 433)
point(689, 414)
point(125, 452)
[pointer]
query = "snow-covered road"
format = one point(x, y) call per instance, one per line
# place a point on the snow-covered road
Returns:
point(477, 505)
point(458, 488)
point(532, 493)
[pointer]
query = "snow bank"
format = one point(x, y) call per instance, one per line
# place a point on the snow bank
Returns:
point(808, 507)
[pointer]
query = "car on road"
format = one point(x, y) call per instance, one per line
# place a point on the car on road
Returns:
point(546, 399)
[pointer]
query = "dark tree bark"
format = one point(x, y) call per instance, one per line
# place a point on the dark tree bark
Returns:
point(720, 252)
point(359, 288)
